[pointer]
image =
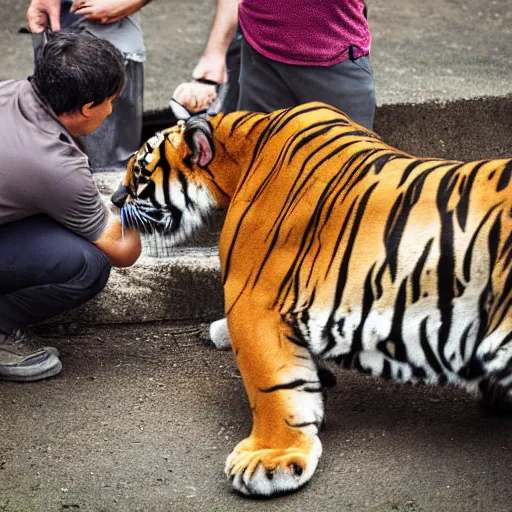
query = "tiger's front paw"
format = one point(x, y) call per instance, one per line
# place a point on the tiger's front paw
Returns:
point(266, 471)
point(219, 334)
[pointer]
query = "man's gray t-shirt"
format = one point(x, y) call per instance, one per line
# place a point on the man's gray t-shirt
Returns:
point(42, 169)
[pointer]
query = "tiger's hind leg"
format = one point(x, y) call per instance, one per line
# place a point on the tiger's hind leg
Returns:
point(496, 388)
point(285, 395)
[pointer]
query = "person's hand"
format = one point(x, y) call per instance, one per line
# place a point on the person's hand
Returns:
point(213, 67)
point(107, 11)
point(195, 96)
point(40, 13)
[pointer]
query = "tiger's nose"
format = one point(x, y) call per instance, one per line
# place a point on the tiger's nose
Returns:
point(120, 195)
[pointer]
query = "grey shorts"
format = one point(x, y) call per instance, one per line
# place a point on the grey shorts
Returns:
point(267, 85)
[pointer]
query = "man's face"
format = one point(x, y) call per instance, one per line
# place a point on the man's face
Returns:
point(97, 114)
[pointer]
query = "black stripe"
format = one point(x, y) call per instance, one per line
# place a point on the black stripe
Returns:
point(288, 385)
point(175, 212)
point(418, 269)
point(464, 340)
point(446, 262)
point(367, 303)
point(305, 424)
point(505, 177)
point(428, 350)
point(470, 250)
point(342, 279)
point(386, 370)
point(465, 193)
point(409, 169)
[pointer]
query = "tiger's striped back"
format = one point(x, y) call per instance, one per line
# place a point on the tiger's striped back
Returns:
point(364, 248)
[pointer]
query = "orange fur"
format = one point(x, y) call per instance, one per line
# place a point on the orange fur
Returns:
point(338, 245)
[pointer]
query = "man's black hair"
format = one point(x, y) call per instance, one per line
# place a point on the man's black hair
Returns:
point(74, 68)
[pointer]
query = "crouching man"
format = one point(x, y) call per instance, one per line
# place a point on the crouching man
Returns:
point(58, 240)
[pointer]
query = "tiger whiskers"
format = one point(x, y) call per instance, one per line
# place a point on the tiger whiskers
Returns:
point(167, 226)
point(144, 219)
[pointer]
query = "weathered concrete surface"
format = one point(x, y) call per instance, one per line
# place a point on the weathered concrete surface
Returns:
point(185, 286)
point(143, 417)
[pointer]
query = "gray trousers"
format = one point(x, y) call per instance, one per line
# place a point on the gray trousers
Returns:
point(267, 85)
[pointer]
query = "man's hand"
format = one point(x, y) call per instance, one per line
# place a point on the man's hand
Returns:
point(194, 96)
point(122, 246)
point(107, 11)
point(212, 66)
point(40, 13)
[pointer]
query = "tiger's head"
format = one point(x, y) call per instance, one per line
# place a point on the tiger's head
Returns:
point(165, 189)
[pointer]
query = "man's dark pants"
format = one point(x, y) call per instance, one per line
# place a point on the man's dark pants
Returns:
point(267, 85)
point(45, 269)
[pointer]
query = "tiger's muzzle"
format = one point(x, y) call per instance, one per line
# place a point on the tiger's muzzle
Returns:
point(140, 215)
point(147, 219)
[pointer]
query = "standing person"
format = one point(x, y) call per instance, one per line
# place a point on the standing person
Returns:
point(292, 52)
point(57, 238)
point(117, 21)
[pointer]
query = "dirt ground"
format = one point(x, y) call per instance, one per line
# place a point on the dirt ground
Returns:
point(143, 416)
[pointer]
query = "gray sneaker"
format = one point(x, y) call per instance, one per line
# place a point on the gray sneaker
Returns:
point(23, 359)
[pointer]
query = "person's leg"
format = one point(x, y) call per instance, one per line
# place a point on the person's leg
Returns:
point(45, 269)
point(348, 86)
point(262, 88)
point(233, 65)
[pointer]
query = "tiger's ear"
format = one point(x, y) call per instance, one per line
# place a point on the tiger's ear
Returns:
point(198, 137)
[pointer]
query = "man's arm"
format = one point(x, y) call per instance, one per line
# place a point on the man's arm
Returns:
point(121, 248)
point(212, 65)
point(40, 13)
point(107, 11)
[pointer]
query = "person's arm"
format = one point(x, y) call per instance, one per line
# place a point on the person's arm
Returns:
point(195, 96)
point(40, 13)
point(71, 197)
point(122, 248)
point(212, 64)
point(107, 11)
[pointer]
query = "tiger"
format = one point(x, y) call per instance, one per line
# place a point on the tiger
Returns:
point(334, 245)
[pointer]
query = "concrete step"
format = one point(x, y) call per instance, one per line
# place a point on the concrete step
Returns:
point(186, 285)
